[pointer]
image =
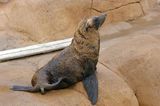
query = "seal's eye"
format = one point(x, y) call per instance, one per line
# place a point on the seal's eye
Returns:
point(86, 27)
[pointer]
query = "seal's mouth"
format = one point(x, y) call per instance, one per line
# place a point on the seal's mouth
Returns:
point(97, 21)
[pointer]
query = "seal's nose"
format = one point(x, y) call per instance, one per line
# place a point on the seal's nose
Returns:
point(96, 21)
point(99, 20)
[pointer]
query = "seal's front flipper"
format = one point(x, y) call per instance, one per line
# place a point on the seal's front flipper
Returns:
point(91, 86)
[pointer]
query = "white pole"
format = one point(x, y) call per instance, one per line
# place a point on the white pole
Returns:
point(34, 49)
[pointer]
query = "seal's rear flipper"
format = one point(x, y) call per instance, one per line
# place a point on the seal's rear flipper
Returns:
point(37, 88)
point(53, 85)
point(91, 86)
point(24, 88)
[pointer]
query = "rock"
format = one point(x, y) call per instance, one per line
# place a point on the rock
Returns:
point(130, 64)
point(136, 59)
point(113, 90)
point(148, 4)
point(49, 20)
point(158, 1)
point(125, 13)
point(107, 5)
point(4, 1)
point(46, 20)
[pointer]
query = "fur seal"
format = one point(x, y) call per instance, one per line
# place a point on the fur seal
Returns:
point(75, 63)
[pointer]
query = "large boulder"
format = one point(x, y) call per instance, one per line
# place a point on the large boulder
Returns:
point(136, 59)
point(113, 90)
point(128, 67)
point(119, 10)
point(49, 20)
point(147, 4)
point(46, 20)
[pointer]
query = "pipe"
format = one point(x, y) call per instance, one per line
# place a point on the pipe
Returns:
point(34, 49)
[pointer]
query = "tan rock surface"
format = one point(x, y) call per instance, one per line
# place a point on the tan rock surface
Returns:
point(147, 4)
point(113, 91)
point(130, 64)
point(136, 59)
point(125, 13)
point(4, 1)
point(44, 20)
point(106, 5)
point(48, 20)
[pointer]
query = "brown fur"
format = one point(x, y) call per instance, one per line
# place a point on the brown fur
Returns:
point(71, 65)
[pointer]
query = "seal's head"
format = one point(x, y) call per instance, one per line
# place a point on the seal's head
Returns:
point(86, 38)
point(96, 21)
point(89, 27)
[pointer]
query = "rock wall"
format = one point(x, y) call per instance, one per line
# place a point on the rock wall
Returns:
point(147, 4)
point(57, 19)
point(136, 59)
point(132, 74)
point(113, 90)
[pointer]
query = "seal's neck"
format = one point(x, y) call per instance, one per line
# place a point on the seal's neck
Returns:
point(87, 47)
